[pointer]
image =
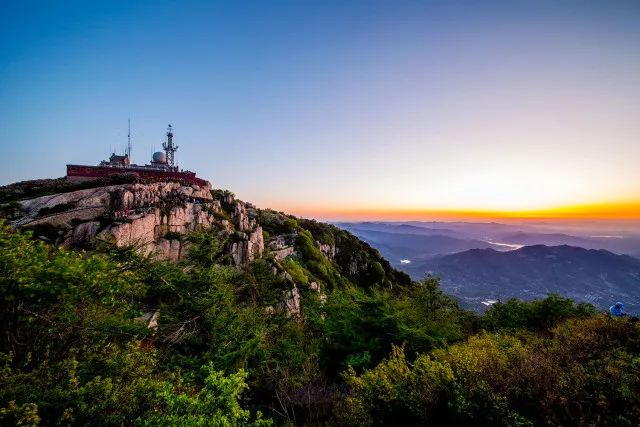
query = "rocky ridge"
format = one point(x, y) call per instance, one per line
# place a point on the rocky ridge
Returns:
point(157, 218)
point(149, 216)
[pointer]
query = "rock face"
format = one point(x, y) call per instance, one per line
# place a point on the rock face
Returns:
point(175, 210)
point(110, 198)
point(282, 246)
point(148, 216)
point(130, 214)
point(281, 254)
point(328, 250)
point(85, 232)
point(291, 302)
point(171, 249)
point(248, 249)
point(241, 217)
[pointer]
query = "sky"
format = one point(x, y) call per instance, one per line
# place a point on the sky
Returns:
point(339, 109)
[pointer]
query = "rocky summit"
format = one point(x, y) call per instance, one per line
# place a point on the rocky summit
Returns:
point(149, 216)
point(158, 219)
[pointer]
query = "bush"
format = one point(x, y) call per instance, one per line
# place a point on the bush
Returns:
point(361, 326)
point(537, 314)
point(397, 392)
point(214, 404)
point(585, 373)
point(296, 271)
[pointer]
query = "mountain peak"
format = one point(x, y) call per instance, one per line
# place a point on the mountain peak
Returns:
point(591, 275)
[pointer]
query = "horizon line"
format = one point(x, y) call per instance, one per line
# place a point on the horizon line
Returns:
point(613, 211)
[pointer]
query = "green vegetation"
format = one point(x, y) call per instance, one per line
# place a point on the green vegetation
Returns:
point(587, 372)
point(369, 346)
point(543, 314)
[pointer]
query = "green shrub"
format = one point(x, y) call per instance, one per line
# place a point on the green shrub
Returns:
point(537, 314)
point(584, 373)
point(296, 271)
point(214, 404)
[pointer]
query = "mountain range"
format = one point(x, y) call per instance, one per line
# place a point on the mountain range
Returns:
point(475, 276)
point(484, 262)
point(397, 247)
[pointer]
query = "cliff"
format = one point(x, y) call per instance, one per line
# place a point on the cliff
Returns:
point(158, 219)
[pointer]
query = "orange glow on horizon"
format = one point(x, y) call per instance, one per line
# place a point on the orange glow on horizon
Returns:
point(618, 210)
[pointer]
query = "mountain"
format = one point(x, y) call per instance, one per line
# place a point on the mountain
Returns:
point(179, 304)
point(398, 228)
point(621, 244)
point(410, 248)
point(549, 239)
point(623, 239)
point(157, 218)
point(596, 276)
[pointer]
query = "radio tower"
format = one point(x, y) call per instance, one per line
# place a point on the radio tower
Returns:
point(169, 148)
point(129, 139)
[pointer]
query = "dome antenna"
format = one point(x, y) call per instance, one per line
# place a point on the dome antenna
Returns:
point(169, 148)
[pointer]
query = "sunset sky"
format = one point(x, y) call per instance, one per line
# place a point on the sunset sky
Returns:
point(339, 109)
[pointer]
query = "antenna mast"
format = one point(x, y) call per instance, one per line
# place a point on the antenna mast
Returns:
point(129, 139)
point(169, 148)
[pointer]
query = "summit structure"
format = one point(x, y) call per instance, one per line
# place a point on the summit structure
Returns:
point(169, 148)
point(161, 168)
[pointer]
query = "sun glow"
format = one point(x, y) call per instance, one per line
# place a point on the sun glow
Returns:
point(597, 211)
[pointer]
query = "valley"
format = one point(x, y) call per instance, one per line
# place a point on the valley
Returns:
point(480, 263)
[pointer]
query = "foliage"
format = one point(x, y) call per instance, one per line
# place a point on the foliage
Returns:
point(11, 210)
point(71, 351)
point(276, 223)
point(354, 259)
point(215, 404)
point(398, 392)
point(537, 314)
point(361, 325)
point(583, 374)
point(219, 194)
point(315, 261)
point(369, 346)
point(296, 271)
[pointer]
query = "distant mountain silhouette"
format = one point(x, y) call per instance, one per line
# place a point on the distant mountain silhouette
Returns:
point(548, 239)
point(629, 245)
point(399, 228)
point(597, 276)
point(397, 246)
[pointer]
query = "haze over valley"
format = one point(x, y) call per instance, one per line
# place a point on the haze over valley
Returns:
point(481, 263)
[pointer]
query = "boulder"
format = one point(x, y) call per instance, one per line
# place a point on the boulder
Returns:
point(85, 232)
point(246, 250)
point(240, 217)
point(291, 302)
point(328, 250)
point(281, 254)
point(151, 319)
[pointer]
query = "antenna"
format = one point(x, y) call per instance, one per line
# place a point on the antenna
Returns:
point(169, 148)
point(129, 138)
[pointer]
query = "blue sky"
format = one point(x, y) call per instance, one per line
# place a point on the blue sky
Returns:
point(321, 108)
